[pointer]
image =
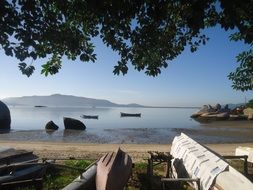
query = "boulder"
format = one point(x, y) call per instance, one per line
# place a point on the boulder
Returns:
point(249, 113)
point(225, 109)
point(235, 117)
point(5, 117)
point(223, 116)
point(216, 117)
point(75, 124)
point(217, 107)
point(51, 126)
point(204, 110)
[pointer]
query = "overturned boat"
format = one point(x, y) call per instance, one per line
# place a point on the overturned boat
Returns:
point(113, 171)
point(191, 159)
point(17, 166)
point(110, 172)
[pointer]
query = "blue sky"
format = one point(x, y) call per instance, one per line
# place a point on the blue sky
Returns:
point(193, 79)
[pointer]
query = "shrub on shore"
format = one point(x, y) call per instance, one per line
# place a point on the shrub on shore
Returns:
point(250, 104)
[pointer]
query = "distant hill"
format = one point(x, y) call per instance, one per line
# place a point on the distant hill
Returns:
point(59, 100)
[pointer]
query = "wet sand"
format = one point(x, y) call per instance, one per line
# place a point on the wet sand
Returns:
point(218, 132)
point(139, 152)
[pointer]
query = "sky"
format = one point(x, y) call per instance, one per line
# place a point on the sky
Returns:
point(192, 79)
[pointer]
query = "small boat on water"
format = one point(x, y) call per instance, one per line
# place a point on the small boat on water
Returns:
point(113, 171)
point(39, 106)
point(89, 116)
point(130, 114)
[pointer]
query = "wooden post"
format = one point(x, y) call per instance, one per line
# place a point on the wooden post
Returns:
point(198, 183)
point(246, 165)
point(150, 167)
point(168, 168)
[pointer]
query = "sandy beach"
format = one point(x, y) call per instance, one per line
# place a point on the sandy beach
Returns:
point(93, 151)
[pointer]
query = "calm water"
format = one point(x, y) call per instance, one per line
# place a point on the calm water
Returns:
point(157, 125)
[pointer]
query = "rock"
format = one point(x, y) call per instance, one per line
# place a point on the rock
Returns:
point(5, 117)
point(204, 110)
point(75, 124)
point(51, 126)
point(217, 107)
point(224, 115)
point(236, 117)
point(238, 110)
point(211, 114)
point(215, 116)
point(249, 113)
point(225, 109)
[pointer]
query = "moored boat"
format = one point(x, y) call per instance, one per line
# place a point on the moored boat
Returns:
point(39, 106)
point(89, 116)
point(113, 171)
point(130, 114)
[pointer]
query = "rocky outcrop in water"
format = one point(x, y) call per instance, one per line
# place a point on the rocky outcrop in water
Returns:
point(5, 117)
point(219, 113)
point(205, 110)
point(51, 126)
point(75, 124)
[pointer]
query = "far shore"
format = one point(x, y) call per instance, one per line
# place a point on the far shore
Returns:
point(139, 152)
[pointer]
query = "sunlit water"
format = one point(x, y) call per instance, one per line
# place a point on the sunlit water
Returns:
point(156, 125)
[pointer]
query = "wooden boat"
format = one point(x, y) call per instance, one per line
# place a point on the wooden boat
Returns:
point(86, 181)
point(16, 165)
point(14, 173)
point(39, 106)
point(89, 116)
point(113, 171)
point(130, 114)
point(11, 156)
point(200, 162)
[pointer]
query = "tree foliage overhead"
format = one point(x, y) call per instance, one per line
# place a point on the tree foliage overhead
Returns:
point(145, 33)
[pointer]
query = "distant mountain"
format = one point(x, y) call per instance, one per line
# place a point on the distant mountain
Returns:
point(59, 100)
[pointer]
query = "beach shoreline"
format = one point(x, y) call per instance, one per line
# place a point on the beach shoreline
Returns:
point(93, 151)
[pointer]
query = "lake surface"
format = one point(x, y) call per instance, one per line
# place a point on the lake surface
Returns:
point(156, 125)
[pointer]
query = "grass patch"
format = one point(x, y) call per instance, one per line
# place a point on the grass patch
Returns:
point(81, 164)
point(57, 178)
